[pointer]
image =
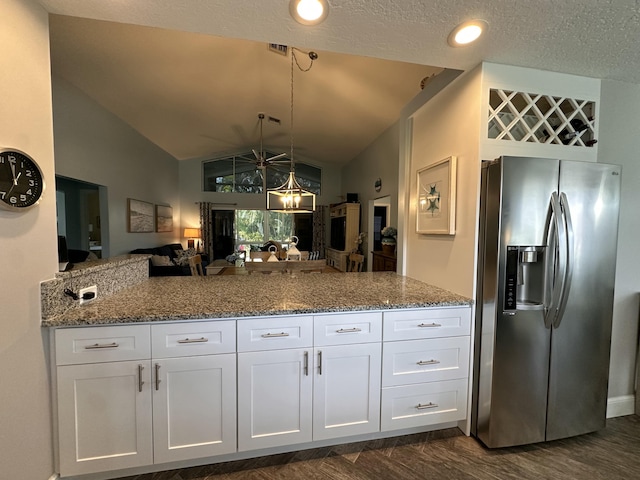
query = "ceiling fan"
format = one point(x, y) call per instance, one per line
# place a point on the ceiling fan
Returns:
point(261, 157)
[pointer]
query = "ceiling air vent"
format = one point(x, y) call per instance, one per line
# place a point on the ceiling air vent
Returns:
point(277, 48)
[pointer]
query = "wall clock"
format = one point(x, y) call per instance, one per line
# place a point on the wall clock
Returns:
point(21, 181)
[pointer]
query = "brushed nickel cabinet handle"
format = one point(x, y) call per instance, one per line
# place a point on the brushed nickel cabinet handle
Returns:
point(306, 363)
point(428, 405)
point(194, 340)
point(274, 335)
point(430, 325)
point(140, 382)
point(349, 330)
point(101, 345)
point(428, 362)
point(158, 377)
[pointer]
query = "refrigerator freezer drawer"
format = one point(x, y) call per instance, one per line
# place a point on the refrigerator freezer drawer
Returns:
point(426, 323)
point(423, 404)
point(430, 360)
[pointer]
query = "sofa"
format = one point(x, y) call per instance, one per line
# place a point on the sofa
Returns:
point(170, 260)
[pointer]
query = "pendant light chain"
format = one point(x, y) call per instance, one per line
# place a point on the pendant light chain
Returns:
point(293, 57)
point(312, 57)
point(291, 197)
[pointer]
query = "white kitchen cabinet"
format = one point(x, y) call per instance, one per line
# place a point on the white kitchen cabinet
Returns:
point(427, 360)
point(194, 390)
point(423, 404)
point(346, 391)
point(194, 407)
point(131, 396)
point(274, 398)
point(103, 399)
point(104, 416)
point(425, 367)
point(115, 414)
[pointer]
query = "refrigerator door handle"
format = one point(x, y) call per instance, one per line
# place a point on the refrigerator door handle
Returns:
point(567, 274)
point(556, 227)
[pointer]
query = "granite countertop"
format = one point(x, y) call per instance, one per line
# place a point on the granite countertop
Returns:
point(83, 268)
point(183, 298)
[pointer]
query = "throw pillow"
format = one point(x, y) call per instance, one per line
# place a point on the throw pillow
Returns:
point(182, 256)
point(161, 261)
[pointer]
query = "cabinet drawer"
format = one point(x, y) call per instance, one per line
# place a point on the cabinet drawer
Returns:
point(197, 338)
point(347, 328)
point(418, 361)
point(102, 344)
point(275, 333)
point(423, 404)
point(426, 323)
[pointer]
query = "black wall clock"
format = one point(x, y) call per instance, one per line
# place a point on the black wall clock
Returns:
point(21, 182)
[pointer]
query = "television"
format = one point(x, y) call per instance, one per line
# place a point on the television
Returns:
point(338, 232)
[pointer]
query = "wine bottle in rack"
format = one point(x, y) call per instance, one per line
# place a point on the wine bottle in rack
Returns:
point(578, 127)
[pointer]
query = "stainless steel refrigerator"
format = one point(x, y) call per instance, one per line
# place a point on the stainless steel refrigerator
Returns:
point(548, 236)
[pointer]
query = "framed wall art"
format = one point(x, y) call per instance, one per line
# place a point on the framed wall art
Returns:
point(140, 216)
point(436, 209)
point(164, 219)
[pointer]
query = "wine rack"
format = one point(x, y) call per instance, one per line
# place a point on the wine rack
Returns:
point(538, 118)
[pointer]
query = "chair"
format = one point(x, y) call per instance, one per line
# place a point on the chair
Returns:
point(195, 263)
point(355, 263)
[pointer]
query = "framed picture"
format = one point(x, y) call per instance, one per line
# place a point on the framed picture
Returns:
point(164, 219)
point(140, 216)
point(436, 211)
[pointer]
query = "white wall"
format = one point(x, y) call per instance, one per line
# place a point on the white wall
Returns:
point(29, 253)
point(95, 146)
point(619, 133)
point(449, 124)
point(378, 160)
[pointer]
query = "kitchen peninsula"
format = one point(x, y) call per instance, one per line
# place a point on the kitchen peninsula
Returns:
point(176, 371)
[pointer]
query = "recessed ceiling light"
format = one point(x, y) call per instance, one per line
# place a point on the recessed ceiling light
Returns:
point(309, 12)
point(467, 32)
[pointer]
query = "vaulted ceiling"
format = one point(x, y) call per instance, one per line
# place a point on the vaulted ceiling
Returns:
point(192, 76)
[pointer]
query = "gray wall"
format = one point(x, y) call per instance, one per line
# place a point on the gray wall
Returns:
point(95, 146)
point(378, 160)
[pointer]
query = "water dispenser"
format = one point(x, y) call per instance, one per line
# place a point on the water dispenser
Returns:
point(525, 277)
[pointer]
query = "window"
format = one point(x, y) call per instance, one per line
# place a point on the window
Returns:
point(239, 174)
point(255, 227)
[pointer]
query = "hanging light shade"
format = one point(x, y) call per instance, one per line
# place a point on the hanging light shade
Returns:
point(290, 197)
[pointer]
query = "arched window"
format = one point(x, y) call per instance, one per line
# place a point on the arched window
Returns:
point(239, 174)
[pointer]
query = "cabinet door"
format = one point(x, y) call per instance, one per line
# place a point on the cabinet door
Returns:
point(104, 416)
point(346, 390)
point(274, 398)
point(194, 407)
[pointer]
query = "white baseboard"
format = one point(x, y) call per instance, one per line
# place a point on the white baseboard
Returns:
point(55, 476)
point(621, 406)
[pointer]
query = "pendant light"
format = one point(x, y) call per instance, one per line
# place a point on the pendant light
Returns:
point(290, 197)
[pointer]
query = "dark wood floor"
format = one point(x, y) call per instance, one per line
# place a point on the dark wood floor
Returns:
point(612, 453)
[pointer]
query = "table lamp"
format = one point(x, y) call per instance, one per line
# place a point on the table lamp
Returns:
point(191, 234)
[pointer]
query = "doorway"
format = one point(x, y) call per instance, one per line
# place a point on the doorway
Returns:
point(379, 217)
point(223, 233)
point(303, 229)
point(81, 215)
